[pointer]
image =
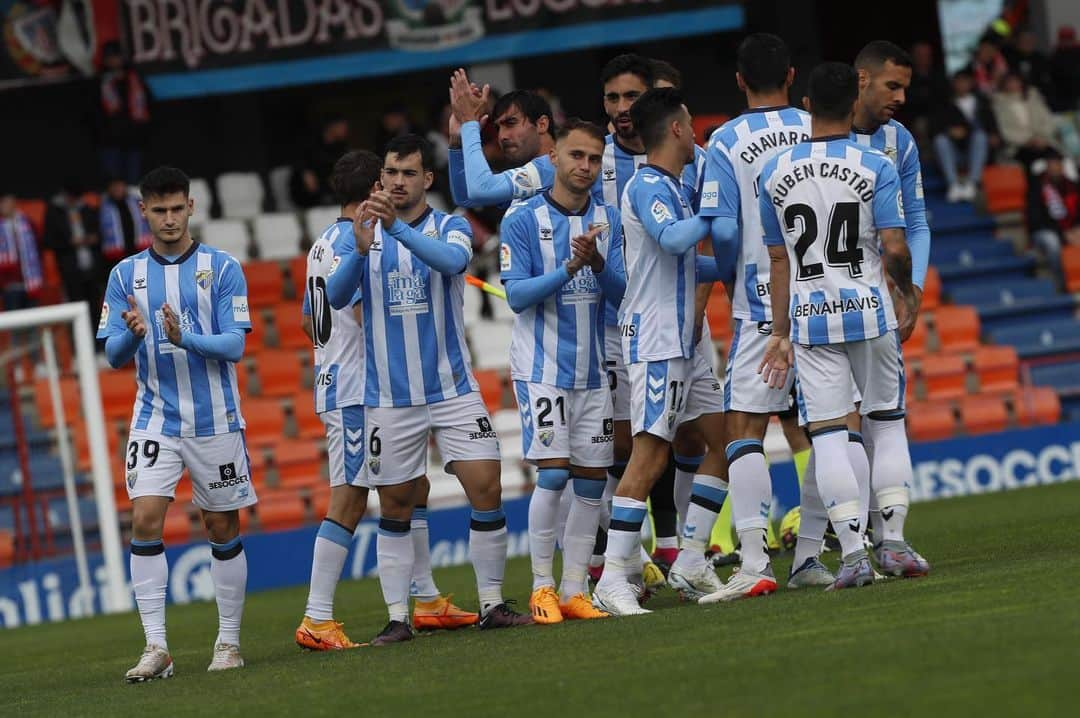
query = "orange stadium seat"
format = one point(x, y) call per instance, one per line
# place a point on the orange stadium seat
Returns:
point(69, 399)
point(997, 368)
point(117, 393)
point(931, 297)
point(280, 510)
point(930, 421)
point(265, 283)
point(265, 421)
point(1037, 405)
point(257, 338)
point(945, 376)
point(704, 123)
point(957, 328)
point(1005, 187)
point(304, 453)
point(279, 372)
point(491, 387)
point(7, 548)
point(915, 346)
point(1070, 264)
point(297, 275)
point(983, 414)
point(290, 333)
point(320, 502)
point(308, 423)
point(177, 528)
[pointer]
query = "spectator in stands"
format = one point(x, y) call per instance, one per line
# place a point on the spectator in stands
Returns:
point(310, 182)
point(1055, 221)
point(1031, 64)
point(71, 231)
point(439, 134)
point(928, 88)
point(123, 116)
point(20, 263)
point(395, 122)
point(1025, 122)
point(123, 229)
point(963, 128)
point(1065, 71)
point(989, 65)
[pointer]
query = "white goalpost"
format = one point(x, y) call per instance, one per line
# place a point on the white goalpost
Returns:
point(114, 596)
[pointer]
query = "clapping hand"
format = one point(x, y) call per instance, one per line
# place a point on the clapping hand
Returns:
point(133, 318)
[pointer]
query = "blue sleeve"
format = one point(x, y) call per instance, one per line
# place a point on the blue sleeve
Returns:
point(678, 237)
point(524, 293)
point(655, 208)
point(482, 186)
point(725, 241)
point(708, 270)
point(771, 234)
point(120, 348)
point(442, 255)
point(232, 301)
point(613, 279)
point(888, 202)
point(720, 190)
point(228, 346)
point(917, 228)
point(115, 304)
point(343, 284)
point(517, 237)
point(459, 190)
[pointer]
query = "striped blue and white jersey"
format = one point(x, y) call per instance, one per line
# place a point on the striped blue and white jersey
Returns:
point(559, 341)
point(338, 335)
point(738, 150)
point(657, 314)
point(180, 393)
point(826, 200)
point(414, 330)
point(897, 143)
point(617, 167)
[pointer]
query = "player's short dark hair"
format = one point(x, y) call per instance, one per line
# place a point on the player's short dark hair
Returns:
point(406, 145)
point(832, 89)
point(628, 64)
point(763, 61)
point(353, 176)
point(664, 70)
point(162, 181)
point(576, 123)
point(653, 111)
point(876, 53)
point(530, 104)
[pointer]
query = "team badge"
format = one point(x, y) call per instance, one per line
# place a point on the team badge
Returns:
point(132, 476)
point(890, 152)
point(204, 278)
point(546, 437)
point(374, 464)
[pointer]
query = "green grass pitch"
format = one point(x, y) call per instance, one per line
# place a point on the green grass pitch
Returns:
point(993, 631)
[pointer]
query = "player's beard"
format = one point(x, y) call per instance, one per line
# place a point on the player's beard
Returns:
point(624, 132)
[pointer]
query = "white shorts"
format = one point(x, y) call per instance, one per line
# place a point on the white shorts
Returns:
point(743, 388)
point(397, 437)
point(345, 442)
point(574, 424)
point(618, 378)
point(826, 375)
point(670, 392)
point(218, 466)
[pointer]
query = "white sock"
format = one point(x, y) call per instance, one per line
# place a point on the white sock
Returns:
point(487, 549)
point(838, 487)
point(543, 517)
point(614, 474)
point(580, 534)
point(423, 585)
point(751, 499)
point(394, 549)
point(624, 538)
point(891, 475)
point(228, 569)
point(331, 549)
point(150, 579)
point(565, 499)
point(876, 522)
point(706, 500)
point(685, 468)
point(813, 518)
point(860, 464)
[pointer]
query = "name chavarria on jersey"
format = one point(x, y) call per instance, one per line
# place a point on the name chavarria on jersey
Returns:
point(896, 142)
point(180, 392)
point(473, 184)
point(414, 330)
point(738, 151)
point(826, 200)
point(657, 314)
point(338, 336)
point(559, 336)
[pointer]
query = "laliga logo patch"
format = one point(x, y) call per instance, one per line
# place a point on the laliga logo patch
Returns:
point(660, 212)
point(104, 321)
point(204, 278)
point(334, 263)
point(546, 437)
point(505, 260)
point(900, 205)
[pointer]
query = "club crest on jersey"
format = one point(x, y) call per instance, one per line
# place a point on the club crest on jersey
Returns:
point(890, 152)
point(204, 278)
point(132, 477)
point(374, 464)
point(546, 437)
point(505, 257)
point(522, 180)
point(660, 211)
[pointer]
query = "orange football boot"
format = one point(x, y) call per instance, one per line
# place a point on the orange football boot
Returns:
point(544, 605)
point(441, 613)
point(323, 636)
point(579, 606)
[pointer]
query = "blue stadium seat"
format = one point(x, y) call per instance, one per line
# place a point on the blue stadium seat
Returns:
point(1070, 409)
point(1008, 291)
point(1004, 299)
point(7, 518)
point(955, 218)
point(59, 518)
point(991, 268)
point(967, 253)
point(1063, 377)
point(1041, 338)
